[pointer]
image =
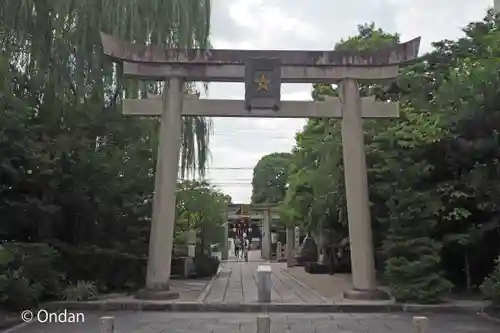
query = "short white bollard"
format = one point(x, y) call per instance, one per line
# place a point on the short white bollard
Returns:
point(263, 324)
point(421, 324)
point(264, 284)
point(107, 325)
point(279, 251)
point(191, 251)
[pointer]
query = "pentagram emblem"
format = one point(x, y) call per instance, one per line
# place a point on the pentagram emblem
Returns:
point(262, 83)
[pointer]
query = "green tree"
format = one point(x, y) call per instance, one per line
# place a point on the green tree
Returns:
point(269, 178)
point(74, 172)
point(201, 207)
point(317, 157)
point(433, 173)
point(58, 44)
point(390, 146)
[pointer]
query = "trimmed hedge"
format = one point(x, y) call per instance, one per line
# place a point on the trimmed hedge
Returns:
point(110, 269)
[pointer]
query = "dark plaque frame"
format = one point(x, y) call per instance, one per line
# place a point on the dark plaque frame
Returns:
point(263, 99)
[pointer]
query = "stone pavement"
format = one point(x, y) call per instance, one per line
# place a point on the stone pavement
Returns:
point(253, 256)
point(329, 286)
point(158, 322)
point(236, 283)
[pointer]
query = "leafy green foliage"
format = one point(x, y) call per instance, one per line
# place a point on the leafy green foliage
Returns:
point(491, 285)
point(81, 291)
point(111, 269)
point(200, 207)
point(74, 172)
point(433, 173)
point(57, 43)
point(28, 275)
point(206, 266)
point(269, 178)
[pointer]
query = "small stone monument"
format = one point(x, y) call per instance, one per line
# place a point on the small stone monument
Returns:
point(297, 240)
point(264, 283)
point(279, 251)
point(191, 243)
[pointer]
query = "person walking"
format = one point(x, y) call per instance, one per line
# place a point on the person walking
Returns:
point(246, 247)
point(237, 246)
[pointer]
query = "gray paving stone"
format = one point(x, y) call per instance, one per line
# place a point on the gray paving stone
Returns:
point(168, 322)
point(237, 284)
point(353, 325)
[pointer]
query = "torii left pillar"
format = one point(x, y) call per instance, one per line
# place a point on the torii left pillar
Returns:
point(163, 220)
point(266, 235)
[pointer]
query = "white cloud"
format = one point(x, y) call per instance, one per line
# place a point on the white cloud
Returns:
point(315, 25)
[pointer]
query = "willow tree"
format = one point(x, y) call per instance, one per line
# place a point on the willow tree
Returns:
point(57, 43)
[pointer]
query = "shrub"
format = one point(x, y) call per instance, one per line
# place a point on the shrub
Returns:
point(316, 268)
point(111, 270)
point(412, 267)
point(491, 285)
point(206, 266)
point(28, 274)
point(81, 291)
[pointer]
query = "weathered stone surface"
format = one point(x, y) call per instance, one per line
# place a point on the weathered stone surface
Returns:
point(193, 106)
point(156, 294)
point(123, 50)
point(237, 283)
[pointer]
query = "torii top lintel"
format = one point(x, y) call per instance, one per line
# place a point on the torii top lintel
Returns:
point(122, 50)
point(145, 61)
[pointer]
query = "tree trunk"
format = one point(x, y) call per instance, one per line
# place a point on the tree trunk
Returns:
point(468, 278)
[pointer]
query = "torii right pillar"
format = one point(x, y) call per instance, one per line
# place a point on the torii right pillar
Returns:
point(356, 184)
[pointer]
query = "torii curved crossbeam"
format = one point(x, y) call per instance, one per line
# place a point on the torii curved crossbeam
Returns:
point(122, 50)
point(151, 62)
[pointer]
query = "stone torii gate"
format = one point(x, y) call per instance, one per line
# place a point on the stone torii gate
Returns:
point(267, 70)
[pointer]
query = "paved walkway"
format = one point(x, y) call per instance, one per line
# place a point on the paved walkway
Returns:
point(236, 283)
point(329, 286)
point(253, 256)
point(157, 322)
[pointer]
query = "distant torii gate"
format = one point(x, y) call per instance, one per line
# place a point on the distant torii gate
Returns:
point(267, 70)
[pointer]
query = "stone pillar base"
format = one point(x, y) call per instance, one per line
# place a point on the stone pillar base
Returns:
point(156, 294)
point(367, 295)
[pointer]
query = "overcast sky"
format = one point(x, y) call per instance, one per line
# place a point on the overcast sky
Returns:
point(239, 143)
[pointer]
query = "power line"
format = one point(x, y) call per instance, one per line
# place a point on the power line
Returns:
point(261, 136)
point(261, 131)
point(229, 179)
point(242, 168)
point(276, 135)
point(230, 168)
point(228, 183)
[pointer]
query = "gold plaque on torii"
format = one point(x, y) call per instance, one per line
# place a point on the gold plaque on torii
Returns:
point(262, 83)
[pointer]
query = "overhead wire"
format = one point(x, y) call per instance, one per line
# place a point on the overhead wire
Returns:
point(238, 182)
